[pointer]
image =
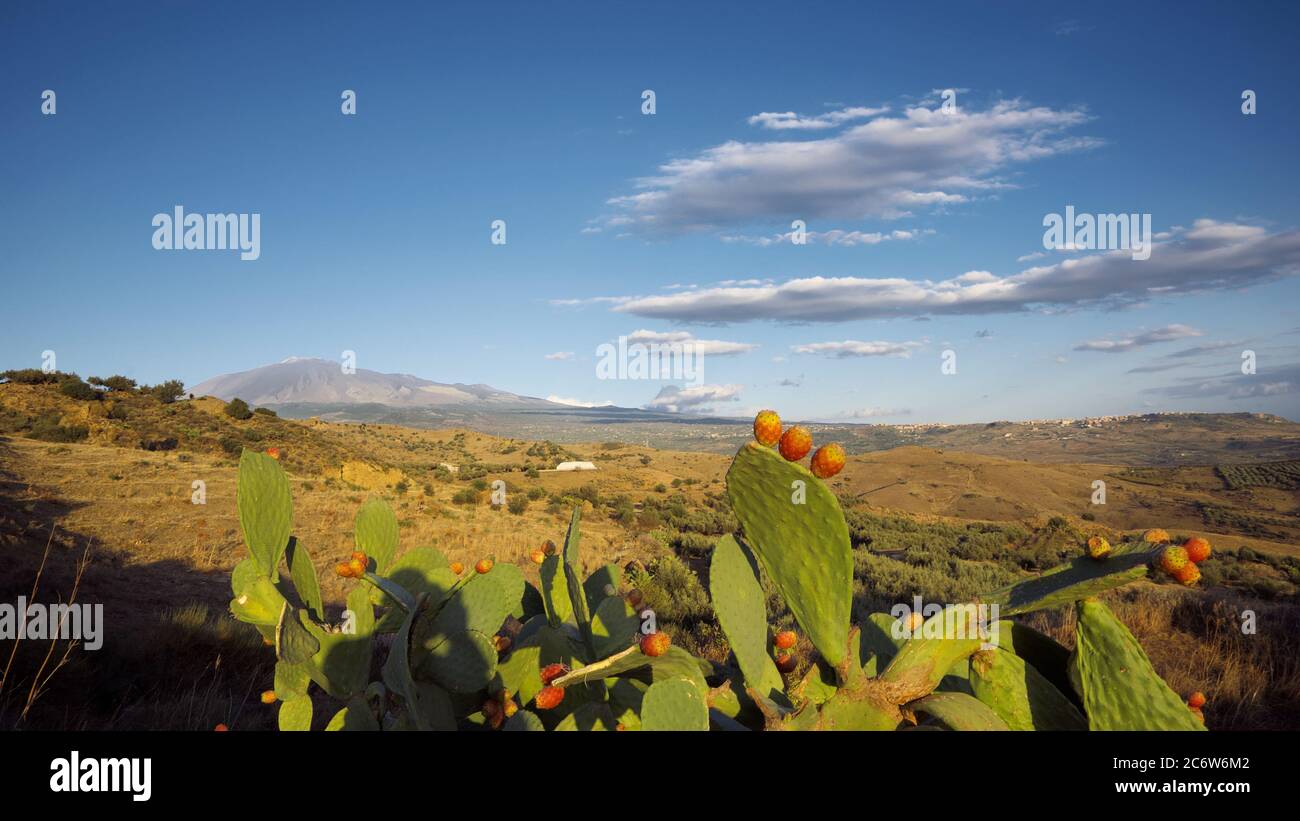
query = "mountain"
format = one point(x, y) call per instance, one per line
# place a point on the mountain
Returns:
point(322, 382)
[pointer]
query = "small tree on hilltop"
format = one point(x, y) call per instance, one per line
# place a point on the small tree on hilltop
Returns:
point(238, 409)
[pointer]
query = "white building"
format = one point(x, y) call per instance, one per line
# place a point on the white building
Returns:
point(575, 466)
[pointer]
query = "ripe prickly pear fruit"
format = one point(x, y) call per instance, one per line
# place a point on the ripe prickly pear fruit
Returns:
point(221, 728)
point(767, 428)
point(357, 568)
point(795, 443)
point(360, 556)
point(1189, 575)
point(1156, 535)
point(656, 644)
point(549, 548)
point(343, 569)
point(1173, 560)
point(1200, 716)
point(538, 556)
point(457, 568)
point(786, 662)
point(268, 697)
point(1098, 547)
point(483, 566)
point(1196, 700)
point(508, 706)
point(549, 697)
point(828, 461)
point(1198, 549)
point(553, 671)
point(785, 639)
point(274, 453)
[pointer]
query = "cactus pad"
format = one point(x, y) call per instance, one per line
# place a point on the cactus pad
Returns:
point(674, 704)
point(738, 600)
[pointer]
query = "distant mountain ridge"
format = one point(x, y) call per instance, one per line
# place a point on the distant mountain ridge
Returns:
point(301, 381)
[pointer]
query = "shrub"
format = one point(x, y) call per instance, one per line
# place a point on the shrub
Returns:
point(33, 376)
point(114, 383)
point(46, 427)
point(265, 412)
point(238, 409)
point(76, 389)
point(518, 504)
point(118, 412)
point(167, 392)
point(231, 445)
point(465, 497)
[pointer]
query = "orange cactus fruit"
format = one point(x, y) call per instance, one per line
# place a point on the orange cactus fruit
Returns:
point(1173, 560)
point(786, 662)
point(483, 566)
point(344, 569)
point(1196, 700)
point(269, 697)
point(1098, 547)
point(1198, 549)
point(553, 671)
point(361, 557)
point(508, 706)
point(1156, 535)
point(767, 428)
point(656, 644)
point(221, 728)
point(538, 556)
point(785, 639)
point(1189, 575)
point(549, 697)
point(1200, 716)
point(357, 568)
point(795, 443)
point(457, 568)
point(828, 461)
point(274, 453)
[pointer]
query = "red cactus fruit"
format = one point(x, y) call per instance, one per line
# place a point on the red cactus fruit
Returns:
point(274, 453)
point(786, 662)
point(1189, 575)
point(828, 461)
point(1098, 547)
point(655, 644)
point(785, 639)
point(221, 728)
point(553, 671)
point(1173, 560)
point(795, 443)
point(483, 566)
point(548, 698)
point(767, 428)
point(1198, 549)
point(1196, 700)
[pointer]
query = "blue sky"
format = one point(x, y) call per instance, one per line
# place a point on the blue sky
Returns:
point(923, 224)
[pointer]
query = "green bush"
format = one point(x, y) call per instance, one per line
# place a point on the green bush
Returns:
point(46, 427)
point(76, 389)
point(114, 383)
point(238, 409)
point(518, 504)
point(265, 412)
point(167, 392)
point(467, 496)
point(34, 376)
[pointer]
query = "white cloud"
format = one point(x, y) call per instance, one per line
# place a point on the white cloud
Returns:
point(577, 403)
point(853, 348)
point(878, 413)
point(709, 347)
point(560, 356)
point(1031, 256)
point(1180, 265)
point(832, 237)
point(888, 167)
point(1138, 340)
point(693, 399)
point(787, 120)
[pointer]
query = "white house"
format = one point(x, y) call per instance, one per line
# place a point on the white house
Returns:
point(575, 466)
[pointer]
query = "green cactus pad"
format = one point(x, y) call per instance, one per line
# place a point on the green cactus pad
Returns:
point(1040, 651)
point(589, 716)
point(674, 704)
point(436, 712)
point(265, 510)
point(420, 570)
point(524, 721)
point(877, 639)
point(520, 672)
point(1120, 688)
point(1078, 579)
point(510, 579)
point(244, 574)
point(804, 548)
point(291, 679)
point(294, 644)
point(555, 592)
point(614, 627)
point(259, 603)
point(303, 575)
point(479, 604)
point(922, 663)
point(958, 711)
point(462, 662)
point(375, 533)
point(356, 717)
point(397, 668)
point(625, 698)
point(597, 586)
point(1020, 695)
point(739, 603)
point(295, 714)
